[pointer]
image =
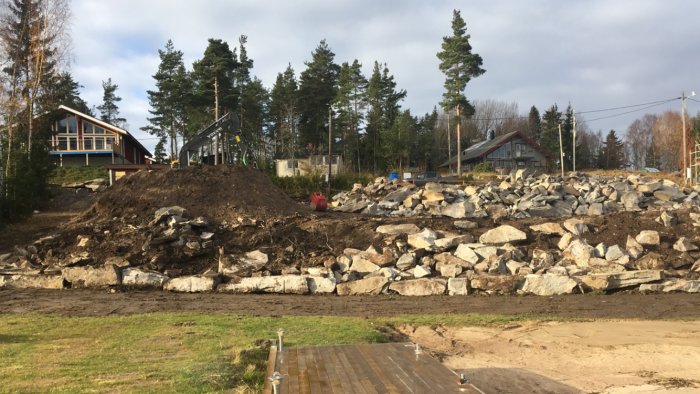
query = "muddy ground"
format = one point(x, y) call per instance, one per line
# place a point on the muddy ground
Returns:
point(628, 342)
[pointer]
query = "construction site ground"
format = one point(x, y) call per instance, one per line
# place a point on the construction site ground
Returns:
point(614, 343)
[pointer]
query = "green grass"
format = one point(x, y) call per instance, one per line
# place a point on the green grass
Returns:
point(173, 352)
point(61, 175)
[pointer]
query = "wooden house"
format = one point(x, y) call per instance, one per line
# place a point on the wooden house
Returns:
point(78, 139)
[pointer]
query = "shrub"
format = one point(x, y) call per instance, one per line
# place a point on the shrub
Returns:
point(304, 185)
point(483, 167)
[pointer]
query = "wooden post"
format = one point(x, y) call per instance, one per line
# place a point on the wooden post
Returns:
point(459, 143)
point(330, 149)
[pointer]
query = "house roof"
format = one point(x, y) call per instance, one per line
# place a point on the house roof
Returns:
point(483, 148)
point(106, 126)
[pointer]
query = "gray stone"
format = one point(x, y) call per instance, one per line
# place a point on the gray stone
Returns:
point(396, 229)
point(547, 285)
point(631, 200)
point(596, 209)
point(419, 287)
point(421, 271)
point(503, 234)
point(162, 213)
point(465, 224)
point(648, 237)
point(565, 241)
point(514, 267)
point(620, 280)
point(448, 270)
point(684, 245)
point(634, 248)
point(651, 261)
point(135, 277)
point(362, 265)
point(373, 285)
point(191, 284)
point(614, 252)
point(548, 228)
point(486, 252)
point(467, 254)
point(458, 210)
point(575, 226)
point(458, 286)
point(682, 285)
point(423, 240)
point(579, 252)
point(449, 242)
point(649, 187)
point(34, 282)
point(320, 284)
point(92, 277)
point(667, 219)
point(283, 284)
point(496, 284)
point(406, 261)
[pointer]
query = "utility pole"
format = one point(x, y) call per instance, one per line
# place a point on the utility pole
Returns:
point(459, 142)
point(449, 141)
point(574, 147)
point(561, 151)
point(685, 149)
point(330, 148)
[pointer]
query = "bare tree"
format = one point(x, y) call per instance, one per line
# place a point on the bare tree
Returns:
point(640, 135)
point(668, 140)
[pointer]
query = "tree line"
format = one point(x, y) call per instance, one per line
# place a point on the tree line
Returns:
point(371, 129)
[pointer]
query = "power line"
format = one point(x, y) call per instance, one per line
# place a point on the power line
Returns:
point(629, 112)
point(653, 103)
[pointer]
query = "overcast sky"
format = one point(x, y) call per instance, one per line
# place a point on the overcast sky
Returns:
point(593, 54)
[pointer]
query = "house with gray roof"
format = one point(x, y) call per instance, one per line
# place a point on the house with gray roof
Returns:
point(507, 151)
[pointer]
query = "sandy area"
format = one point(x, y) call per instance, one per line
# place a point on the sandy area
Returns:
point(594, 357)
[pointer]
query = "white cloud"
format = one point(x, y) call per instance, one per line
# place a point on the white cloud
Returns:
point(594, 54)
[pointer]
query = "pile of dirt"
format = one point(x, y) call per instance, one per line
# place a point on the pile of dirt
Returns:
point(222, 194)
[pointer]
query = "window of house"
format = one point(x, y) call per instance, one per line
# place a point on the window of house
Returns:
point(109, 142)
point(99, 143)
point(291, 164)
point(62, 143)
point(87, 143)
point(99, 130)
point(72, 143)
point(72, 123)
point(88, 128)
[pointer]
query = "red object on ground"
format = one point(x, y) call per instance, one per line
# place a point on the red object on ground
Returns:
point(318, 201)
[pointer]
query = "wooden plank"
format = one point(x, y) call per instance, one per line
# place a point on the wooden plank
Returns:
point(364, 369)
point(271, 364)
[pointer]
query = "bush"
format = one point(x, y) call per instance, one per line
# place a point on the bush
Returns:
point(304, 185)
point(61, 175)
point(483, 167)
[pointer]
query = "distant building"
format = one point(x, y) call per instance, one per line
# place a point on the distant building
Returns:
point(78, 139)
point(317, 164)
point(508, 151)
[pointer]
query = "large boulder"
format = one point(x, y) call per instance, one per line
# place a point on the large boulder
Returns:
point(396, 229)
point(547, 284)
point(419, 287)
point(498, 284)
point(620, 280)
point(191, 284)
point(458, 210)
point(92, 277)
point(283, 284)
point(374, 285)
point(423, 240)
point(320, 284)
point(648, 237)
point(135, 277)
point(34, 282)
point(458, 286)
point(502, 234)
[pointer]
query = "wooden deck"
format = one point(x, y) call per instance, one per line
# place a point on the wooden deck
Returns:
point(375, 368)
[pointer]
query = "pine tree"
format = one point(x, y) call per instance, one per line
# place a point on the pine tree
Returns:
point(534, 124)
point(169, 101)
point(549, 137)
point(109, 109)
point(383, 102)
point(317, 89)
point(159, 154)
point(64, 90)
point(284, 115)
point(213, 77)
point(459, 65)
point(612, 152)
point(254, 115)
point(350, 102)
point(567, 128)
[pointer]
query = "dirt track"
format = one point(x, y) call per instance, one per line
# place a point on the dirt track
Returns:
point(587, 306)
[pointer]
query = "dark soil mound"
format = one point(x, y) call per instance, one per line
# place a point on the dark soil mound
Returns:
point(219, 193)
